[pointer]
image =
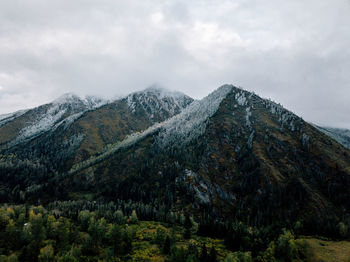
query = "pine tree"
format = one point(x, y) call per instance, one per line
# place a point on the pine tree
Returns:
point(204, 254)
point(166, 246)
point(134, 219)
point(212, 255)
point(188, 226)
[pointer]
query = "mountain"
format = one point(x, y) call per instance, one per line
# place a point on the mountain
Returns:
point(77, 128)
point(339, 134)
point(230, 156)
point(48, 140)
point(27, 124)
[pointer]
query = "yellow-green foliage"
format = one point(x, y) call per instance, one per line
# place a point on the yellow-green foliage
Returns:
point(239, 257)
point(49, 238)
point(287, 248)
point(143, 251)
point(330, 251)
point(146, 233)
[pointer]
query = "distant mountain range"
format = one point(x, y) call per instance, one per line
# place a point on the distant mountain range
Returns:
point(231, 154)
point(342, 135)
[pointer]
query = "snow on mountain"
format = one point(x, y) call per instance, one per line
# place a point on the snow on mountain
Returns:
point(191, 122)
point(341, 135)
point(158, 101)
point(64, 110)
point(72, 99)
point(94, 102)
point(43, 123)
point(9, 117)
point(112, 148)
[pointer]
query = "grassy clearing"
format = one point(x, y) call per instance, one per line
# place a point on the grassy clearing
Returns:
point(329, 251)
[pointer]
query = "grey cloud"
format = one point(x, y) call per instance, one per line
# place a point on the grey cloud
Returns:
point(295, 52)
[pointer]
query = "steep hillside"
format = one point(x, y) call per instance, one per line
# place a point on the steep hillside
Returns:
point(134, 113)
point(77, 128)
point(66, 132)
point(232, 154)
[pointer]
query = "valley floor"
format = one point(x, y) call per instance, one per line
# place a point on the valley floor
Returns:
point(330, 251)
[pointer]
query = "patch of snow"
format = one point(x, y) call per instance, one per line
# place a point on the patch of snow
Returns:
point(241, 98)
point(89, 102)
point(44, 123)
point(62, 111)
point(131, 103)
point(285, 117)
point(247, 117)
point(92, 102)
point(192, 121)
point(112, 148)
point(250, 140)
point(341, 135)
point(11, 116)
point(68, 121)
point(163, 92)
point(305, 139)
point(158, 101)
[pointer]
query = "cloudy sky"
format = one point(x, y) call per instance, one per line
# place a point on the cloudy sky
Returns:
point(294, 52)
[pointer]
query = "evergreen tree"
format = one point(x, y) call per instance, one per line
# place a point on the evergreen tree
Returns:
point(212, 255)
point(188, 227)
point(46, 254)
point(134, 219)
point(204, 254)
point(114, 236)
point(166, 246)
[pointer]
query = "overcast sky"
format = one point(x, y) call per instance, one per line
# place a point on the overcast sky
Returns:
point(295, 52)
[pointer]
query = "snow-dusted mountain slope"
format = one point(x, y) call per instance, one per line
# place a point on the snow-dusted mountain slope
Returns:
point(158, 102)
point(9, 117)
point(79, 128)
point(179, 129)
point(191, 122)
point(129, 115)
point(339, 134)
point(27, 124)
point(65, 109)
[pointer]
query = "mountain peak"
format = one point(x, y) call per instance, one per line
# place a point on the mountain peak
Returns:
point(89, 102)
point(67, 98)
point(161, 92)
point(164, 92)
point(157, 101)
